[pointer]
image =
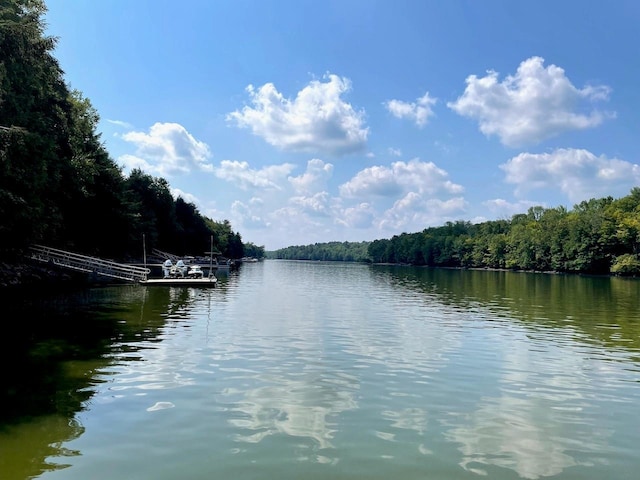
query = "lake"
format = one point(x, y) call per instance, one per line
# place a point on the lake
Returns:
point(312, 370)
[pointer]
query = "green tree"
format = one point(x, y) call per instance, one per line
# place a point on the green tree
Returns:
point(34, 109)
point(152, 210)
point(627, 264)
point(590, 237)
point(95, 213)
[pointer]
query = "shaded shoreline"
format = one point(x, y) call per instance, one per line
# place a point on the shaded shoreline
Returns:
point(24, 274)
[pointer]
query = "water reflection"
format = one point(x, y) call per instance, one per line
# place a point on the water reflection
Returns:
point(601, 311)
point(72, 343)
point(296, 407)
point(280, 371)
point(24, 448)
point(553, 377)
point(311, 335)
point(543, 419)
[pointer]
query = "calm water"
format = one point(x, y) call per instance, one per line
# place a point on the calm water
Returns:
point(296, 370)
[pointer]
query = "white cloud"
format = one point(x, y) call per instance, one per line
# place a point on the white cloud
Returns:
point(416, 176)
point(120, 123)
point(501, 208)
point(239, 173)
point(315, 205)
point(535, 104)
point(314, 179)
point(167, 149)
point(413, 212)
point(418, 111)
point(187, 197)
point(414, 188)
point(293, 223)
point(131, 162)
point(376, 180)
point(317, 120)
point(579, 174)
point(395, 152)
point(359, 216)
point(247, 215)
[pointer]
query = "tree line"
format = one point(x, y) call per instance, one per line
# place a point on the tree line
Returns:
point(58, 184)
point(330, 251)
point(598, 236)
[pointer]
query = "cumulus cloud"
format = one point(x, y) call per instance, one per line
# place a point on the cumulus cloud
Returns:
point(131, 162)
point(534, 104)
point(248, 215)
point(414, 212)
point(168, 148)
point(416, 176)
point(317, 120)
point(314, 179)
point(418, 111)
point(242, 175)
point(360, 216)
point(295, 223)
point(315, 205)
point(578, 173)
point(187, 197)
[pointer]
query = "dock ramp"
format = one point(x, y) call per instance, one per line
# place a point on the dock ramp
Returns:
point(87, 264)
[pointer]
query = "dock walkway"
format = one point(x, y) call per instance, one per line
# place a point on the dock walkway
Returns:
point(87, 264)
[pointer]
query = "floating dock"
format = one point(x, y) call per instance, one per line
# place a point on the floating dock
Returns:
point(180, 282)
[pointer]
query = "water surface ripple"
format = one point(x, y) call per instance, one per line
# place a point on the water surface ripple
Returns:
point(318, 370)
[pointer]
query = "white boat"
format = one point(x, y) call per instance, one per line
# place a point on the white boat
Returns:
point(195, 271)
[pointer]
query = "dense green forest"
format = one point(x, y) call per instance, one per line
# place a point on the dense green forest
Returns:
point(331, 251)
point(598, 236)
point(58, 185)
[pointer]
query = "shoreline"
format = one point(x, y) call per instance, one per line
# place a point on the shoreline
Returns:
point(16, 274)
point(24, 274)
point(492, 269)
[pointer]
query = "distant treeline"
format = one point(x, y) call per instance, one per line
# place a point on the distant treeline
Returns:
point(599, 236)
point(58, 185)
point(331, 251)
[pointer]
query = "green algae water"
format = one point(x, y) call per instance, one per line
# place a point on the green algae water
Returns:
point(312, 370)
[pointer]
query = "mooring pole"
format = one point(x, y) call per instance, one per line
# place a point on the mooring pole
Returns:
point(211, 258)
point(144, 252)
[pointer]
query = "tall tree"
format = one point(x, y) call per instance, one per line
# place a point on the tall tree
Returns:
point(96, 218)
point(34, 109)
point(152, 210)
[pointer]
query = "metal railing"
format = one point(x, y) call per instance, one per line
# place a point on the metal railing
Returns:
point(84, 263)
point(170, 256)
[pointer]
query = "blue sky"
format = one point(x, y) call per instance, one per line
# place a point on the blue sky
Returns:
point(314, 121)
